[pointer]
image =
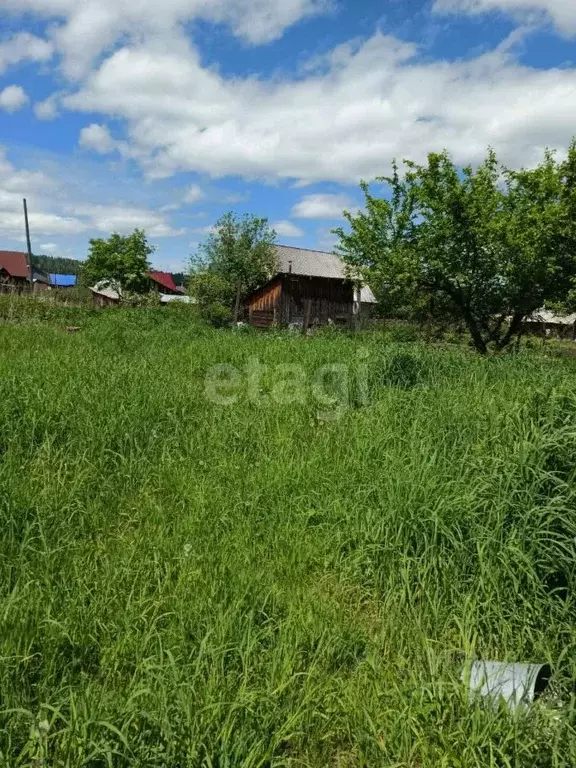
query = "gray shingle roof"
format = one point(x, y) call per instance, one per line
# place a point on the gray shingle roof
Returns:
point(551, 318)
point(107, 288)
point(302, 261)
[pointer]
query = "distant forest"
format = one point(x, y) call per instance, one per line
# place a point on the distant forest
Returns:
point(57, 265)
point(60, 266)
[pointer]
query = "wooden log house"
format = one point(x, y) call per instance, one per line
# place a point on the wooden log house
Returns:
point(14, 272)
point(307, 278)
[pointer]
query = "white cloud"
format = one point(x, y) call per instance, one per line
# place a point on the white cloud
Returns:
point(13, 98)
point(354, 111)
point(194, 194)
point(98, 138)
point(124, 219)
point(41, 223)
point(326, 240)
point(236, 197)
point(48, 248)
point(561, 12)
point(92, 26)
point(24, 47)
point(321, 207)
point(54, 210)
point(47, 109)
point(287, 229)
point(345, 117)
point(204, 231)
point(19, 182)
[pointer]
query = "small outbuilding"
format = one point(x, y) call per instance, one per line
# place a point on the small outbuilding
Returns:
point(163, 282)
point(105, 294)
point(63, 281)
point(180, 298)
point(40, 280)
point(544, 322)
point(14, 273)
point(308, 283)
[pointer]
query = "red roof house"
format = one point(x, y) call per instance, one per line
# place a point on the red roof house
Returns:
point(13, 267)
point(163, 282)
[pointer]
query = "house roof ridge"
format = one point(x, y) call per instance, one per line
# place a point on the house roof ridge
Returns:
point(311, 250)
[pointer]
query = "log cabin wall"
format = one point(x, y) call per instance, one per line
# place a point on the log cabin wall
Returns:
point(264, 304)
point(283, 301)
point(330, 299)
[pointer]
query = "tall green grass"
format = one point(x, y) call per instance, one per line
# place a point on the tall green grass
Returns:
point(189, 584)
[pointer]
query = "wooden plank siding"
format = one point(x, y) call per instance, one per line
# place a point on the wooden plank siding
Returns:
point(283, 300)
point(330, 299)
point(11, 284)
point(264, 304)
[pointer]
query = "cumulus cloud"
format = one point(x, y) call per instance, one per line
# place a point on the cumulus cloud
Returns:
point(98, 138)
point(52, 224)
point(47, 109)
point(90, 27)
point(13, 98)
point(321, 207)
point(16, 181)
point(561, 12)
point(326, 239)
point(287, 228)
point(207, 230)
point(36, 187)
point(23, 47)
point(194, 194)
point(54, 211)
point(41, 222)
point(124, 219)
point(344, 120)
point(48, 248)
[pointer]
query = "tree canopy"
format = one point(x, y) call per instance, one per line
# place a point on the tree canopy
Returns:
point(237, 257)
point(57, 265)
point(491, 244)
point(122, 258)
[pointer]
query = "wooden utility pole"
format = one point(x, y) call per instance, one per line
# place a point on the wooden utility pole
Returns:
point(28, 244)
point(237, 304)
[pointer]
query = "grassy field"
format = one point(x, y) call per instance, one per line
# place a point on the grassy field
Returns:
point(273, 583)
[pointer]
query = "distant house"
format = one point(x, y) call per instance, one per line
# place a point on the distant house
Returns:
point(63, 281)
point(180, 298)
point(40, 280)
point(105, 294)
point(547, 323)
point(163, 282)
point(308, 281)
point(14, 274)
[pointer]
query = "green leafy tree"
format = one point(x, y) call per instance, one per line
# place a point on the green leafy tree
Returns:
point(122, 258)
point(215, 295)
point(237, 257)
point(489, 245)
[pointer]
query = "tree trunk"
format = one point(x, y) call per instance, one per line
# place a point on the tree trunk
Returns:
point(475, 333)
point(515, 329)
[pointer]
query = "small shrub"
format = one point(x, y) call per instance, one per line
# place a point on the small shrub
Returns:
point(217, 315)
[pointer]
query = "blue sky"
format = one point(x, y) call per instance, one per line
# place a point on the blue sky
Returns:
point(116, 114)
